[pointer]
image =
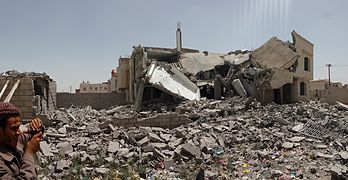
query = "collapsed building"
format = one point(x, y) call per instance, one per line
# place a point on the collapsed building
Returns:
point(292, 64)
point(275, 72)
point(33, 93)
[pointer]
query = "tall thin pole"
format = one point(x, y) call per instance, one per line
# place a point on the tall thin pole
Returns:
point(329, 72)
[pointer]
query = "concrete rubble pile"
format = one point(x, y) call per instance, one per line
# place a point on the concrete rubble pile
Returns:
point(191, 76)
point(14, 73)
point(224, 141)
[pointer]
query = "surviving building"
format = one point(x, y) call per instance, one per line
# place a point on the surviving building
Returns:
point(87, 87)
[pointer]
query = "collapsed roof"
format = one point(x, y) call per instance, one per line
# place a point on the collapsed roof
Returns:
point(242, 72)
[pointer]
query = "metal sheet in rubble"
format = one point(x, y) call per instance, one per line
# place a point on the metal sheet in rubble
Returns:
point(319, 130)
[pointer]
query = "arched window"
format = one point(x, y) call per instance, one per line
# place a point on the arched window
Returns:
point(303, 89)
point(306, 64)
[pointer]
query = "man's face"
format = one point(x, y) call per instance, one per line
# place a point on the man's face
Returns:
point(11, 132)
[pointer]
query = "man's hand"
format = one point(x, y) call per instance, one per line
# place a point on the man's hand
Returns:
point(34, 144)
point(36, 124)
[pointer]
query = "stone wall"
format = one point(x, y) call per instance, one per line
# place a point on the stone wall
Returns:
point(164, 120)
point(96, 100)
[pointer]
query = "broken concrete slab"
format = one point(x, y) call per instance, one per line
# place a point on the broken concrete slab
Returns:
point(158, 154)
point(165, 137)
point(175, 143)
point(66, 150)
point(298, 128)
point(321, 146)
point(344, 155)
point(169, 79)
point(296, 139)
point(144, 141)
point(342, 106)
point(154, 137)
point(191, 149)
point(61, 165)
point(101, 171)
point(338, 169)
point(159, 145)
point(238, 87)
point(45, 148)
point(327, 156)
point(288, 145)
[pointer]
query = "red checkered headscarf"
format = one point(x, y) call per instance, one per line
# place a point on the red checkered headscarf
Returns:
point(8, 108)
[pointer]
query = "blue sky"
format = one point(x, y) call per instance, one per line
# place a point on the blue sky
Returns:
point(81, 40)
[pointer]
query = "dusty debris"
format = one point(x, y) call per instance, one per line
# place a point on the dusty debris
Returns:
point(225, 139)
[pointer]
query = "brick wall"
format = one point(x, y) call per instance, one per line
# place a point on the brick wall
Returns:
point(96, 100)
point(164, 120)
point(23, 96)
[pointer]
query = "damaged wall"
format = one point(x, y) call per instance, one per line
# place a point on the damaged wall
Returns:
point(123, 75)
point(304, 49)
point(280, 78)
point(95, 100)
point(328, 93)
point(164, 120)
point(23, 96)
point(42, 105)
point(35, 94)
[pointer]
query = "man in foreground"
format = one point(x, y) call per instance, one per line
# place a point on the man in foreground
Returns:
point(17, 149)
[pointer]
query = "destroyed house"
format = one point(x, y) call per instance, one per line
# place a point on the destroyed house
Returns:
point(155, 59)
point(277, 71)
point(189, 74)
point(292, 64)
point(33, 93)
